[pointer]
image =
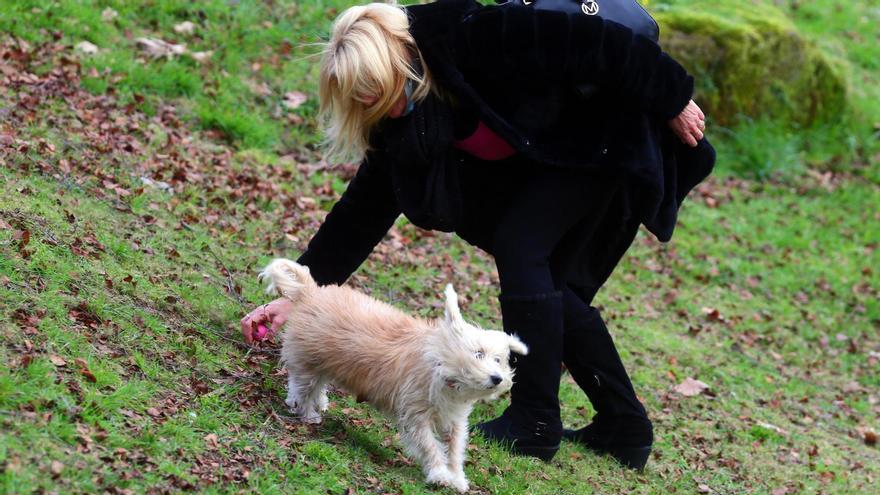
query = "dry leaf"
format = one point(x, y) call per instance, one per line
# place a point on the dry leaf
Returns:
point(185, 27)
point(774, 428)
point(56, 467)
point(86, 48)
point(84, 370)
point(57, 360)
point(158, 48)
point(293, 99)
point(690, 387)
point(259, 88)
point(712, 314)
point(201, 57)
point(870, 437)
point(212, 440)
point(852, 387)
point(109, 14)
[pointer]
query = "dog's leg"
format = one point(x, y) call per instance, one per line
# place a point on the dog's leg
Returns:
point(314, 400)
point(306, 393)
point(419, 442)
point(323, 402)
point(294, 398)
point(457, 442)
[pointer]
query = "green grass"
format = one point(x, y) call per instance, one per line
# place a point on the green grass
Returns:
point(123, 368)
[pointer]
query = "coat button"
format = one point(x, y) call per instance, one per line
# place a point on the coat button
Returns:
point(604, 151)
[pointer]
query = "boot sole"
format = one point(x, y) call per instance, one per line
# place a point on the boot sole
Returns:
point(631, 457)
point(543, 453)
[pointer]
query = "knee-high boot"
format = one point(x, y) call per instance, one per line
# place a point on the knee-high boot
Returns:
point(531, 425)
point(621, 426)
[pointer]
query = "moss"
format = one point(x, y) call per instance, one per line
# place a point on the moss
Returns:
point(750, 60)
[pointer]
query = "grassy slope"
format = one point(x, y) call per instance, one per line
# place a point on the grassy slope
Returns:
point(171, 401)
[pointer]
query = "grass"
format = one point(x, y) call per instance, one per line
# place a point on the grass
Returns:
point(123, 369)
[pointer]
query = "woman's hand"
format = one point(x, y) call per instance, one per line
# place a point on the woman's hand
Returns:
point(270, 316)
point(689, 125)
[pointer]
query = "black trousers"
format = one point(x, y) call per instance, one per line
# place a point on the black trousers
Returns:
point(544, 225)
point(554, 230)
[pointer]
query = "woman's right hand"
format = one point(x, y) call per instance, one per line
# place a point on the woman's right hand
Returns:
point(689, 125)
point(272, 315)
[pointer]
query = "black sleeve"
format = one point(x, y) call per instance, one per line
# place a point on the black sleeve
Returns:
point(579, 49)
point(355, 224)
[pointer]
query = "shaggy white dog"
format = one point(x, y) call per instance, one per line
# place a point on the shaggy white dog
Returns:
point(425, 374)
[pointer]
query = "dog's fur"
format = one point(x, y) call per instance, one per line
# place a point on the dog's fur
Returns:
point(425, 374)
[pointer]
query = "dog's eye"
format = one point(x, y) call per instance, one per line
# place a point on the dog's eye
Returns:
point(498, 359)
point(479, 354)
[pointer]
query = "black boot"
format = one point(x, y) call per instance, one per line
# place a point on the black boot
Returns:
point(530, 426)
point(621, 426)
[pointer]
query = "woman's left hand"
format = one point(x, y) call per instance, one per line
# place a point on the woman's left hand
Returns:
point(689, 125)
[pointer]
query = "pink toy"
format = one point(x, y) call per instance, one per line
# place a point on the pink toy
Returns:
point(262, 332)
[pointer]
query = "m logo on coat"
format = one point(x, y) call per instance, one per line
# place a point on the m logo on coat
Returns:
point(590, 7)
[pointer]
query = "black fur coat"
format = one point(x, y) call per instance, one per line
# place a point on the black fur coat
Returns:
point(516, 68)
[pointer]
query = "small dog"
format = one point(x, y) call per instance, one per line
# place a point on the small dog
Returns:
point(425, 374)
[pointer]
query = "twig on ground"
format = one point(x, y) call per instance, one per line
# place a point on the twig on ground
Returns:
point(230, 282)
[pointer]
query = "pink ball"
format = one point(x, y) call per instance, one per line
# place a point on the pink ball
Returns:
point(262, 332)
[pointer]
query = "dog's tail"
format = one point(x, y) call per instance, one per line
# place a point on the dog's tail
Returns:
point(287, 278)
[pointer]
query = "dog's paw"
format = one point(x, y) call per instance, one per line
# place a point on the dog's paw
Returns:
point(312, 418)
point(460, 483)
point(441, 476)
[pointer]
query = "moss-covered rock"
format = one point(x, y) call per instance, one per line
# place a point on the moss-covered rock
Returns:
point(749, 60)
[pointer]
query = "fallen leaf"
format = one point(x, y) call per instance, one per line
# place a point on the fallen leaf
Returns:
point(84, 370)
point(159, 48)
point(202, 57)
point(712, 314)
point(86, 48)
point(57, 360)
point(774, 428)
point(690, 387)
point(24, 237)
point(870, 437)
point(154, 412)
point(56, 467)
point(703, 488)
point(212, 440)
point(851, 387)
point(185, 27)
point(109, 14)
point(293, 99)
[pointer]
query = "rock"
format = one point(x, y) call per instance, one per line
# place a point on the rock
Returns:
point(749, 60)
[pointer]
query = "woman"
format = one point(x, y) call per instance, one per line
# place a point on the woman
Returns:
point(465, 119)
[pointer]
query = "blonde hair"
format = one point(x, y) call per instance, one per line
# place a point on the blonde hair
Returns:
point(370, 55)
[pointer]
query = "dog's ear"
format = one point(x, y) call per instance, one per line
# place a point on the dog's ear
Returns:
point(453, 314)
point(517, 345)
